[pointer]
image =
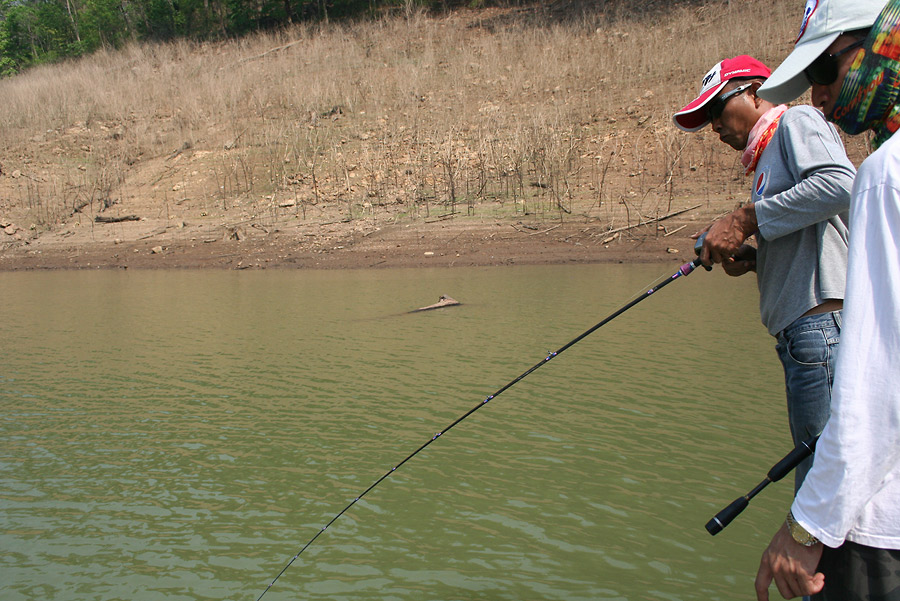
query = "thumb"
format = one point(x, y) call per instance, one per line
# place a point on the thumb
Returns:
point(700, 233)
point(818, 583)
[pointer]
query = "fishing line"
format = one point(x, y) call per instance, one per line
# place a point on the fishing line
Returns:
point(684, 270)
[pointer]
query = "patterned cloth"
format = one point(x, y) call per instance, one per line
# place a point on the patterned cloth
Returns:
point(870, 94)
point(760, 136)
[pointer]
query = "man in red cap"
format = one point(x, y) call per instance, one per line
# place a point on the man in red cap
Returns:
point(798, 215)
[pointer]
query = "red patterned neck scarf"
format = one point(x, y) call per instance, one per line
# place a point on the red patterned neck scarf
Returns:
point(760, 136)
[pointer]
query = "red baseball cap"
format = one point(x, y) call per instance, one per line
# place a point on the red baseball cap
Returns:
point(693, 117)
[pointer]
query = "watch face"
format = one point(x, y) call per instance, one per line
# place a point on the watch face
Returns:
point(799, 533)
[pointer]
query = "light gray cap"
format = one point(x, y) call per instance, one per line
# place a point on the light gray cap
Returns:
point(823, 22)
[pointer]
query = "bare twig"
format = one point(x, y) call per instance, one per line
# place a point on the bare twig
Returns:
point(653, 220)
point(676, 230)
point(269, 51)
point(550, 229)
point(109, 219)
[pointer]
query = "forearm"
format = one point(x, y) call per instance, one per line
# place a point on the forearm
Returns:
point(820, 196)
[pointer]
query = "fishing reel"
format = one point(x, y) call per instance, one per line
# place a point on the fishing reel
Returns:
point(698, 246)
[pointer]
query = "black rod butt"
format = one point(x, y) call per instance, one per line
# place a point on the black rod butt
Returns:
point(725, 517)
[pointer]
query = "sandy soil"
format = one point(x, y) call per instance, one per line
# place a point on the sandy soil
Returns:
point(452, 241)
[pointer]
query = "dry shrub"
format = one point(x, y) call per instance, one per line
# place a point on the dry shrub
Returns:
point(404, 117)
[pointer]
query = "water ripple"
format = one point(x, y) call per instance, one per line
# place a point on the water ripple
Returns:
point(180, 436)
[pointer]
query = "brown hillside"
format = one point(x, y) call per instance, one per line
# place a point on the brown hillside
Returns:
point(533, 134)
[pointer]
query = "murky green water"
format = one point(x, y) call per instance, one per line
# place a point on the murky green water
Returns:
point(181, 435)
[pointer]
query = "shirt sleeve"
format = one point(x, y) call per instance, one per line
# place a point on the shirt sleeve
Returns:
point(851, 489)
point(814, 154)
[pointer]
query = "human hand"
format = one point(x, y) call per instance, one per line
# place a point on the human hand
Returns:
point(742, 262)
point(726, 235)
point(791, 565)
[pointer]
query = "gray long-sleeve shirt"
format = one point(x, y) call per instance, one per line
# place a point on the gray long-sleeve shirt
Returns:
point(801, 191)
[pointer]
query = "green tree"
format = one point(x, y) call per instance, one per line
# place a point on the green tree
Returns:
point(33, 32)
point(104, 24)
point(37, 31)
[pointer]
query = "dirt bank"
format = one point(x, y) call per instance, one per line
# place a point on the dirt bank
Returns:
point(453, 241)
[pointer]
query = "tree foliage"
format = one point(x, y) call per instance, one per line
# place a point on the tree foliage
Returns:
point(39, 31)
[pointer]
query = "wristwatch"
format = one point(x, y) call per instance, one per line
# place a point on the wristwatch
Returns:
point(799, 533)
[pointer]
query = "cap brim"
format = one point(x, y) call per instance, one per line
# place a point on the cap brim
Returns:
point(693, 117)
point(788, 82)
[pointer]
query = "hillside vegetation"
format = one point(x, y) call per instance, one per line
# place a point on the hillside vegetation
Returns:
point(472, 116)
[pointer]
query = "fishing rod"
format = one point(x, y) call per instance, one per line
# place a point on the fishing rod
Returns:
point(779, 470)
point(684, 270)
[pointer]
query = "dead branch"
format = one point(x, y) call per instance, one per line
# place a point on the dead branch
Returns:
point(110, 219)
point(654, 220)
point(546, 230)
point(676, 230)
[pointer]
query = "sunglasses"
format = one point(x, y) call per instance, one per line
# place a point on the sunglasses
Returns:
point(824, 70)
point(715, 108)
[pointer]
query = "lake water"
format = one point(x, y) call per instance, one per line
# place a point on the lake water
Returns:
point(180, 435)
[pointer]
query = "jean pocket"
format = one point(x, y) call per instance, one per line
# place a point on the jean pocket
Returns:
point(809, 347)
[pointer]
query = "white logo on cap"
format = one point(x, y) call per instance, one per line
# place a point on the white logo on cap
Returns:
point(712, 78)
point(811, 6)
point(734, 73)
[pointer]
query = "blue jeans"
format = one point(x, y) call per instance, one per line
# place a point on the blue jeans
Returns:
point(807, 350)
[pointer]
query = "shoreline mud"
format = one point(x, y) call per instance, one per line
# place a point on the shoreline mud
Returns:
point(450, 243)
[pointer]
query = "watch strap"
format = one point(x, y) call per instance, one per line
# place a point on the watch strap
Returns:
point(799, 533)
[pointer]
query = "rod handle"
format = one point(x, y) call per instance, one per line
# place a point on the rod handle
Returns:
point(793, 459)
point(725, 517)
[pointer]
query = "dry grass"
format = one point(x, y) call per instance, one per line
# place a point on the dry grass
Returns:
point(405, 118)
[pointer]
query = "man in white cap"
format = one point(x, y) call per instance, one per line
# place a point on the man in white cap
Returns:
point(849, 51)
point(799, 198)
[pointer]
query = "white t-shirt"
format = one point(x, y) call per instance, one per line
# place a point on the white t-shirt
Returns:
point(853, 490)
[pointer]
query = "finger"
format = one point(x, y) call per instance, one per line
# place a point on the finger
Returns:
point(818, 583)
point(717, 257)
point(763, 580)
point(794, 585)
point(809, 585)
point(786, 586)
